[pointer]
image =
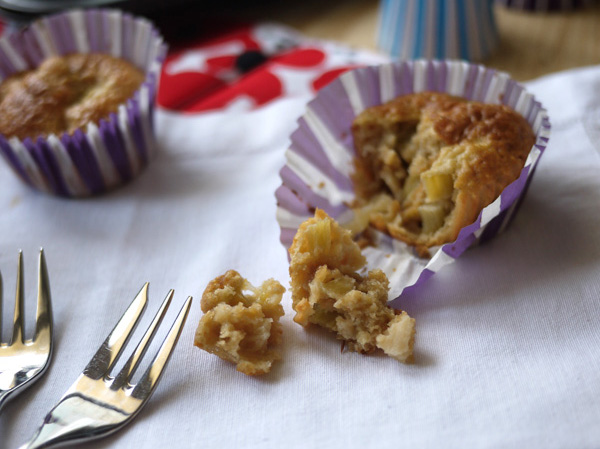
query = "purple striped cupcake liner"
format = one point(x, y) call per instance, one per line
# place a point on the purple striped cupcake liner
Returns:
point(437, 29)
point(103, 155)
point(545, 5)
point(319, 160)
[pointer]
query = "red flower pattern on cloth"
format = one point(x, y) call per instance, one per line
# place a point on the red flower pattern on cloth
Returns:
point(203, 77)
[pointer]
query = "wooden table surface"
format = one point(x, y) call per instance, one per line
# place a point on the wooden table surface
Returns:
point(531, 44)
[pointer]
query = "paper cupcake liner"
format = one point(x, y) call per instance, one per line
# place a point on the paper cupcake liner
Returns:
point(545, 5)
point(441, 29)
point(105, 154)
point(319, 160)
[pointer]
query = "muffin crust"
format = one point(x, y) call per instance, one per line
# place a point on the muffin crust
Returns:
point(65, 93)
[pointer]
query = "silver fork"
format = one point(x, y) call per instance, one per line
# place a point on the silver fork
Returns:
point(22, 362)
point(98, 404)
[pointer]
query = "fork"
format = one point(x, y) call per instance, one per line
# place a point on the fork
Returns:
point(98, 404)
point(22, 362)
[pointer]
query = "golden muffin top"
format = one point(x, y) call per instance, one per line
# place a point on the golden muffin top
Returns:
point(65, 93)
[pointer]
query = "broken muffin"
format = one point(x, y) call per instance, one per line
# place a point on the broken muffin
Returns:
point(241, 322)
point(328, 291)
point(427, 164)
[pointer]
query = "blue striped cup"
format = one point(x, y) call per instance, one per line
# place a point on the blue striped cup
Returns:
point(441, 29)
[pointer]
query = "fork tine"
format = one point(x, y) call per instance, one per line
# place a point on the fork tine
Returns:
point(17, 335)
point(147, 384)
point(112, 347)
point(43, 320)
point(134, 361)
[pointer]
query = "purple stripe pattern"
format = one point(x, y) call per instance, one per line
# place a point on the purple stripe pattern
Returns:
point(304, 145)
point(301, 189)
point(13, 161)
point(47, 153)
point(42, 164)
point(82, 156)
point(31, 50)
point(134, 118)
point(292, 201)
point(6, 66)
point(94, 163)
point(116, 149)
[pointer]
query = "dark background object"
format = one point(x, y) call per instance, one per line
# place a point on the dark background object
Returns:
point(249, 60)
point(178, 20)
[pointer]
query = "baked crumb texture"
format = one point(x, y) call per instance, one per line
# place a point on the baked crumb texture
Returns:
point(65, 93)
point(327, 290)
point(427, 164)
point(241, 322)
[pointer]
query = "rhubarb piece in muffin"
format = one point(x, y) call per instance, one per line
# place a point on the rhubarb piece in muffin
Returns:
point(241, 322)
point(328, 291)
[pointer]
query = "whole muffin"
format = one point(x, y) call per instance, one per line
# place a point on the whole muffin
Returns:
point(77, 100)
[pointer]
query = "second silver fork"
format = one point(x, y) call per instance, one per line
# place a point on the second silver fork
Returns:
point(98, 404)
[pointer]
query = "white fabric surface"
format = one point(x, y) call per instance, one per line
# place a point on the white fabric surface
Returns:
point(508, 344)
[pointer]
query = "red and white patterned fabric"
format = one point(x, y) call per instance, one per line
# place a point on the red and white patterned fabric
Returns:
point(203, 76)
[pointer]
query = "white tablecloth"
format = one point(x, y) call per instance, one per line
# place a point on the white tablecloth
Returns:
point(508, 345)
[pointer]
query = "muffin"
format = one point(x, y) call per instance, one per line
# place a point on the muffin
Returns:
point(65, 93)
point(427, 163)
point(327, 290)
point(241, 322)
point(320, 171)
point(76, 100)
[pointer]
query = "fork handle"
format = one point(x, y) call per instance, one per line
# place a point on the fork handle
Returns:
point(39, 440)
point(50, 434)
point(3, 397)
point(57, 428)
point(73, 420)
point(55, 432)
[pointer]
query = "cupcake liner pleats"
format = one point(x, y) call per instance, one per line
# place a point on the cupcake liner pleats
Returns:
point(319, 160)
point(105, 154)
point(464, 29)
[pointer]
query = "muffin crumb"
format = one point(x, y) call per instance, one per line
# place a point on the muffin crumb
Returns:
point(328, 291)
point(241, 322)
